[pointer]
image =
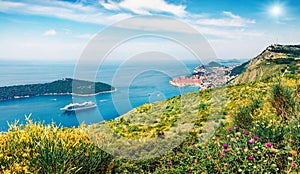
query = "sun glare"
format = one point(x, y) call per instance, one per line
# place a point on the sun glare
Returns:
point(276, 10)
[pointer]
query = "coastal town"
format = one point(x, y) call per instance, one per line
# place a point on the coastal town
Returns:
point(205, 76)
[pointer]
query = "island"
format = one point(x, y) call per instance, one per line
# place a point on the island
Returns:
point(66, 86)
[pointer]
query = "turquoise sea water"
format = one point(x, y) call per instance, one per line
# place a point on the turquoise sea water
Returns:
point(147, 86)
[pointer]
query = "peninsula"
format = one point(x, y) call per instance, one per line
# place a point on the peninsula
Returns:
point(206, 76)
point(66, 86)
point(275, 59)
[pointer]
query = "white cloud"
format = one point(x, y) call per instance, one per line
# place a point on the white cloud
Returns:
point(5, 5)
point(63, 10)
point(225, 27)
point(230, 20)
point(109, 5)
point(91, 14)
point(145, 7)
point(157, 24)
point(51, 32)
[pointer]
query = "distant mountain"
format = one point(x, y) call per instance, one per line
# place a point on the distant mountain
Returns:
point(275, 59)
point(230, 62)
point(214, 64)
point(59, 87)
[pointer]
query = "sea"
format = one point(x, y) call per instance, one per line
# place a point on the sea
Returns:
point(135, 84)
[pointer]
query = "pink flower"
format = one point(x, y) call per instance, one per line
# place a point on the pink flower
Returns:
point(225, 146)
point(293, 164)
point(255, 138)
point(222, 154)
point(229, 129)
point(250, 158)
point(246, 133)
point(226, 150)
point(268, 145)
point(250, 141)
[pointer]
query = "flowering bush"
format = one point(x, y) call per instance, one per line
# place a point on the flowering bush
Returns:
point(49, 149)
point(246, 153)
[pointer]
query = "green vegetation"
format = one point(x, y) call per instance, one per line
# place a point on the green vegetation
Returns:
point(251, 127)
point(37, 148)
point(239, 69)
point(275, 60)
point(291, 50)
point(245, 116)
point(274, 144)
point(57, 87)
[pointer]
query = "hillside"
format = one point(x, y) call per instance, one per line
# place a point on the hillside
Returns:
point(276, 59)
point(251, 127)
point(193, 130)
point(59, 87)
point(233, 129)
point(191, 120)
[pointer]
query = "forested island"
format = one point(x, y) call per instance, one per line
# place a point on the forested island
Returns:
point(65, 86)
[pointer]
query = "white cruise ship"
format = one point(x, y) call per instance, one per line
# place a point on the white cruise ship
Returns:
point(78, 106)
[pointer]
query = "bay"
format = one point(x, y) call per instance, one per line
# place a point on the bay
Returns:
point(147, 86)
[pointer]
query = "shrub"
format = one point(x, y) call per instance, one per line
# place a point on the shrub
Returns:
point(270, 129)
point(35, 148)
point(244, 118)
point(283, 99)
point(242, 151)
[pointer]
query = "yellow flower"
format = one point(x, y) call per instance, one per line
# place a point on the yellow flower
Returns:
point(86, 141)
point(273, 150)
point(269, 125)
point(293, 152)
point(7, 172)
point(25, 169)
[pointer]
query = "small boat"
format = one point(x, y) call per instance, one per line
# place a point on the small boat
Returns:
point(78, 106)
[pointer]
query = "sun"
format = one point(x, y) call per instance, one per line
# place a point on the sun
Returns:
point(276, 10)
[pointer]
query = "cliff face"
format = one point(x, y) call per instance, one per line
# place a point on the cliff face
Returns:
point(275, 59)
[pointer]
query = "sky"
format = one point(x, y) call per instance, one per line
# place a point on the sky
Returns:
point(60, 30)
